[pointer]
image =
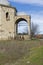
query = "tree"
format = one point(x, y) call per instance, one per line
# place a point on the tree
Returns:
point(34, 29)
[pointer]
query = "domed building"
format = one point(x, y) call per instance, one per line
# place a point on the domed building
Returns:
point(4, 2)
point(9, 21)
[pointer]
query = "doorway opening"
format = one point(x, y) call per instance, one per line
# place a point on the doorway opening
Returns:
point(21, 27)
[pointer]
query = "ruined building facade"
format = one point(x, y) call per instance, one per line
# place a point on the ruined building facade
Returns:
point(8, 23)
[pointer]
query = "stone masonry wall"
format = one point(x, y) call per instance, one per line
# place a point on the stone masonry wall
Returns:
point(8, 24)
point(7, 27)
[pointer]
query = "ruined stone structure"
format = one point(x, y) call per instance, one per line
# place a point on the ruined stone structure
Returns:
point(8, 23)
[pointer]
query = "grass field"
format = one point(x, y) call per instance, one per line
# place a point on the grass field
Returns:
point(17, 52)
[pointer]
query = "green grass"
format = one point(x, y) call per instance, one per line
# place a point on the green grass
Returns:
point(17, 52)
point(36, 56)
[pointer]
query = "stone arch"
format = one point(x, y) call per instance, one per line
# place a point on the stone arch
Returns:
point(22, 18)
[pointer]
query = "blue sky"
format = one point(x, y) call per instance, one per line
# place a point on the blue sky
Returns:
point(34, 8)
point(29, 7)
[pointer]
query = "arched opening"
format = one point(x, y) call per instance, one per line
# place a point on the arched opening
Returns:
point(21, 26)
point(7, 16)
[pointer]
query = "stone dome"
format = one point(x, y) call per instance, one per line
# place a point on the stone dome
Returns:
point(4, 2)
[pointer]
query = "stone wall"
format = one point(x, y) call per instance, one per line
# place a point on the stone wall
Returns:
point(7, 26)
point(8, 21)
point(20, 18)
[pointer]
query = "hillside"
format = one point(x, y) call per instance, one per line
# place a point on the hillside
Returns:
point(21, 52)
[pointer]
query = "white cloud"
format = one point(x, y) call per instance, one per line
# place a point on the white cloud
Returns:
point(38, 19)
point(39, 2)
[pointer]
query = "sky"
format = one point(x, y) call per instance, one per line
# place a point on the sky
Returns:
point(34, 8)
